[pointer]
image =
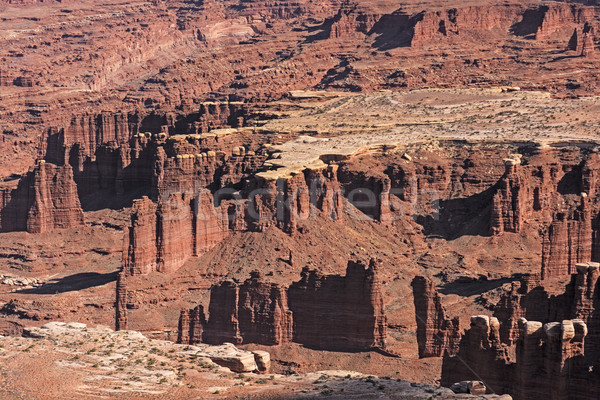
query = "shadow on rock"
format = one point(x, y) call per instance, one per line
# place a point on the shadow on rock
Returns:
point(73, 283)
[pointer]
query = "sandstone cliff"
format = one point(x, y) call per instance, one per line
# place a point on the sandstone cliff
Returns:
point(328, 312)
point(254, 312)
point(436, 332)
point(527, 359)
point(121, 302)
point(568, 241)
point(511, 203)
point(340, 313)
point(46, 198)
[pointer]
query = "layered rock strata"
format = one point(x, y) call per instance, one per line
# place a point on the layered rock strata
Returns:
point(527, 358)
point(163, 236)
point(436, 332)
point(44, 199)
point(323, 311)
point(121, 303)
point(511, 203)
point(340, 313)
point(548, 361)
point(483, 355)
point(568, 241)
point(254, 312)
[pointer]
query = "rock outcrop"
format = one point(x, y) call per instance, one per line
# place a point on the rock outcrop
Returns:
point(191, 326)
point(45, 199)
point(511, 204)
point(323, 311)
point(531, 359)
point(548, 361)
point(436, 332)
point(163, 236)
point(481, 356)
point(140, 244)
point(583, 41)
point(568, 241)
point(223, 324)
point(340, 313)
point(121, 302)
point(254, 312)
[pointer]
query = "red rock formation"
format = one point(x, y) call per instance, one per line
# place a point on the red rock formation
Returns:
point(584, 304)
point(555, 16)
point(174, 232)
point(582, 41)
point(121, 302)
point(437, 25)
point(92, 130)
point(339, 313)
point(287, 201)
point(140, 245)
point(223, 322)
point(46, 198)
point(197, 324)
point(553, 359)
point(191, 326)
point(588, 46)
point(352, 19)
point(163, 236)
point(5, 79)
point(183, 328)
point(590, 174)
point(254, 312)
point(214, 115)
point(263, 312)
point(23, 81)
point(209, 224)
point(567, 241)
point(482, 355)
point(512, 307)
point(294, 196)
point(436, 333)
point(549, 359)
point(511, 204)
point(329, 312)
point(368, 191)
point(532, 301)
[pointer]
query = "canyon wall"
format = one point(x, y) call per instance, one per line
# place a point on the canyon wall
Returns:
point(322, 311)
point(162, 236)
point(254, 312)
point(480, 354)
point(568, 241)
point(547, 361)
point(191, 325)
point(342, 313)
point(516, 354)
point(511, 205)
point(44, 199)
point(541, 186)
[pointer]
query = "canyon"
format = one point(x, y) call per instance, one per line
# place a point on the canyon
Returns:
point(299, 199)
point(183, 220)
